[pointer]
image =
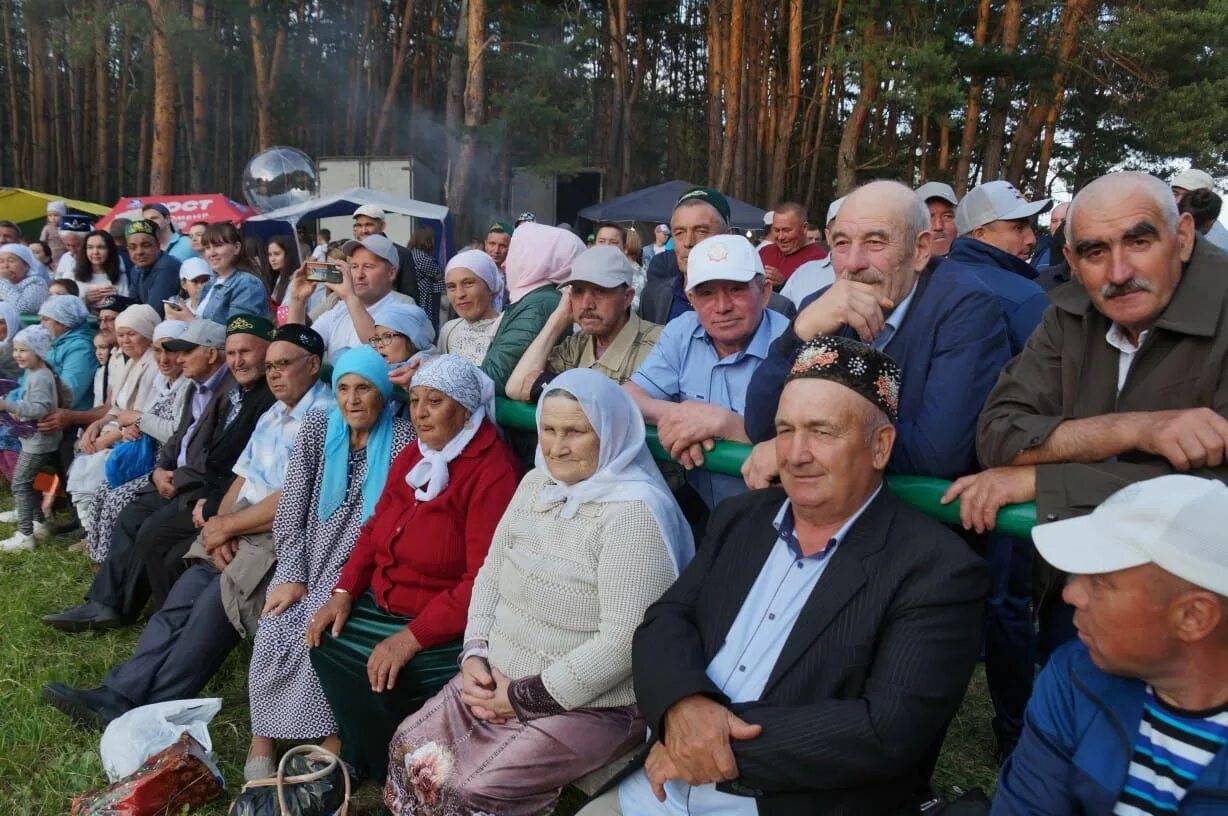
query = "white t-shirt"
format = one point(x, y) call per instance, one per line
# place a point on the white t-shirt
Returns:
point(807, 279)
point(337, 328)
point(320, 253)
point(67, 267)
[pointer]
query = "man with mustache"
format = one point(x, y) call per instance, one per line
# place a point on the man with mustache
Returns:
point(613, 340)
point(1123, 381)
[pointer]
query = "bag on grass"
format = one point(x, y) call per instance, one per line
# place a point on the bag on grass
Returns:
point(170, 779)
point(310, 781)
point(142, 732)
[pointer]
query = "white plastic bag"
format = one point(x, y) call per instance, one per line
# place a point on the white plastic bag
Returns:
point(142, 732)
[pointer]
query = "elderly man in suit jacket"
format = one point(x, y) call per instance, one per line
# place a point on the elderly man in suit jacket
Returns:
point(811, 656)
point(194, 469)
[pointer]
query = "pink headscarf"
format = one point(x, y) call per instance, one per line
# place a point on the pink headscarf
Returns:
point(539, 255)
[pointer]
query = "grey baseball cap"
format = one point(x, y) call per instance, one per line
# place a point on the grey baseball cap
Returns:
point(936, 189)
point(379, 245)
point(604, 266)
point(199, 332)
point(995, 201)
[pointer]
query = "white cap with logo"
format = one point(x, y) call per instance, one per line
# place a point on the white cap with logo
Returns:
point(379, 245)
point(1193, 180)
point(995, 201)
point(1175, 522)
point(722, 257)
point(604, 266)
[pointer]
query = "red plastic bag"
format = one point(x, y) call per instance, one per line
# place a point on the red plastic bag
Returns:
point(176, 776)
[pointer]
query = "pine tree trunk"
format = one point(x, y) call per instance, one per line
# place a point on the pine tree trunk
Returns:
point(850, 139)
point(266, 68)
point(944, 148)
point(196, 170)
point(162, 152)
point(40, 120)
point(976, 88)
point(123, 162)
point(816, 149)
point(102, 94)
point(733, 93)
point(399, 58)
point(454, 110)
point(717, 81)
point(14, 140)
point(991, 167)
point(475, 107)
point(784, 133)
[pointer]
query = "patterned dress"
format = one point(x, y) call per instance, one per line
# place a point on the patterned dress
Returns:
point(109, 501)
point(286, 699)
point(469, 340)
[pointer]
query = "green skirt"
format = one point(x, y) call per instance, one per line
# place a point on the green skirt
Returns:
point(366, 721)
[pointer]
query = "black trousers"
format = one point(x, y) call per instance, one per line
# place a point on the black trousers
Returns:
point(182, 646)
point(147, 534)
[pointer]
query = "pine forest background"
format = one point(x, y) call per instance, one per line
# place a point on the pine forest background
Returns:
point(766, 99)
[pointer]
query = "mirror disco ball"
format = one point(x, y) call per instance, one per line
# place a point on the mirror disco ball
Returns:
point(280, 177)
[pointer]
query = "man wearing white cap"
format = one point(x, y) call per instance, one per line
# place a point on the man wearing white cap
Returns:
point(660, 236)
point(693, 386)
point(371, 220)
point(994, 222)
point(613, 340)
point(363, 295)
point(941, 201)
point(1133, 718)
point(767, 230)
point(1190, 180)
point(812, 276)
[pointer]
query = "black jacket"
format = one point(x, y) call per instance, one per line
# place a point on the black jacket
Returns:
point(857, 705)
point(407, 274)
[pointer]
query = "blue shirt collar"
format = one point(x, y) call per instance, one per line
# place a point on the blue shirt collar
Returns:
point(760, 341)
point(785, 527)
point(208, 385)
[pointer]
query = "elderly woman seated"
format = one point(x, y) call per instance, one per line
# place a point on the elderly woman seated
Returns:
point(544, 696)
point(474, 286)
point(389, 637)
point(136, 391)
point(335, 476)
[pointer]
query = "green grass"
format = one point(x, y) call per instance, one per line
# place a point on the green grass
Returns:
point(45, 761)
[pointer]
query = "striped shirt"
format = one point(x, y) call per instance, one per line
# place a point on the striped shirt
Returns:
point(1170, 751)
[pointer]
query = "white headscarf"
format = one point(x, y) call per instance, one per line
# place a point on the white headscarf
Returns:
point(12, 319)
point(482, 265)
point(468, 385)
point(625, 469)
point(67, 310)
point(34, 265)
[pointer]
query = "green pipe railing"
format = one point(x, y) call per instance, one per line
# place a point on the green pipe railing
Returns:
point(921, 492)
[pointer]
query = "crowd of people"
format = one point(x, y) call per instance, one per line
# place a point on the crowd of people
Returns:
point(476, 617)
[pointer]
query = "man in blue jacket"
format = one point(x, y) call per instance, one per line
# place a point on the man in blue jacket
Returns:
point(154, 275)
point(944, 330)
point(1133, 718)
point(995, 241)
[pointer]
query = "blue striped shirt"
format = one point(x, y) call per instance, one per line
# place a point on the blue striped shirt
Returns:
point(1170, 751)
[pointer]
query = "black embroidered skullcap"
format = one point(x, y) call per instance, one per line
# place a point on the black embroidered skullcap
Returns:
point(855, 365)
point(305, 338)
point(115, 303)
point(254, 325)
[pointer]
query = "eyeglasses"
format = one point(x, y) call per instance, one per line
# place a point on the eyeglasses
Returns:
point(384, 339)
point(274, 366)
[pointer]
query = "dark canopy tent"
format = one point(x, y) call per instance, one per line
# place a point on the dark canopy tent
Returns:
point(656, 203)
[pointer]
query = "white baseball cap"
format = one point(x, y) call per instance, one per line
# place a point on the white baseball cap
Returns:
point(1193, 180)
point(768, 217)
point(722, 257)
point(380, 245)
point(833, 209)
point(370, 211)
point(1175, 522)
point(936, 189)
point(995, 201)
point(194, 268)
point(604, 266)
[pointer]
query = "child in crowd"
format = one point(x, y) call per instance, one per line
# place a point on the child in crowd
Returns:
point(102, 353)
point(64, 286)
point(195, 277)
point(41, 252)
point(50, 234)
point(38, 395)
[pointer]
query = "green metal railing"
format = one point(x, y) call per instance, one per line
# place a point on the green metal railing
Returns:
point(921, 492)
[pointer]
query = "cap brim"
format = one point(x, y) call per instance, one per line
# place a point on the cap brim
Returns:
point(1078, 547)
point(178, 344)
point(1028, 210)
point(349, 246)
point(593, 279)
point(691, 283)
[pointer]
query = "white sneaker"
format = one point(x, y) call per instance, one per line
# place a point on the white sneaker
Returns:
point(8, 517)
point(41, 530)
point(19, 542)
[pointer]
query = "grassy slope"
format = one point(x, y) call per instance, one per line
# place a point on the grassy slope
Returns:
point(44, 761)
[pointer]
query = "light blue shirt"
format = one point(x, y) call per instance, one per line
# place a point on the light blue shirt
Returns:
point(894, 321)
point(180, 247)
point(1218, 235)
point(241, 293)
point(744, 664)
point(262, 464)
point(684, 366)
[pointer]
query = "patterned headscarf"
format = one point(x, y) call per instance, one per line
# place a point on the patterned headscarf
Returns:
point(36, 338)
point(468, 385)
point(67, 310)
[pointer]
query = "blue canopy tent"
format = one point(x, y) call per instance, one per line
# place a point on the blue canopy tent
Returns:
point(655, 204)
point(287, 219)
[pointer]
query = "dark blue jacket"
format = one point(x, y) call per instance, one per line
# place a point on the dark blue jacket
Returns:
point(155, 284)
point(1078, 736)
point(1013, 280)
point(950, 348)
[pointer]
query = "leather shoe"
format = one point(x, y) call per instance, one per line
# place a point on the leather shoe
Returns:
point(68, 525)
point(86, 617)
point(87, 708)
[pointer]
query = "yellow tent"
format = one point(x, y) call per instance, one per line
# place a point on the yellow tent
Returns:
point(29, 207)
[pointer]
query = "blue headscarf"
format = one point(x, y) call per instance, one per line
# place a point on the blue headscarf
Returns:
point(368, 364)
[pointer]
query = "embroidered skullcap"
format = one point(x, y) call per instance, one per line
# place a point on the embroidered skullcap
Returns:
point(459, 379)
point(302, 336)
point(855, 365)
point(114, 303)
point(76, 223)
point(141, 318)
point(36, 338)
point(254, 325)
point(67, 310)
point(141, 227)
